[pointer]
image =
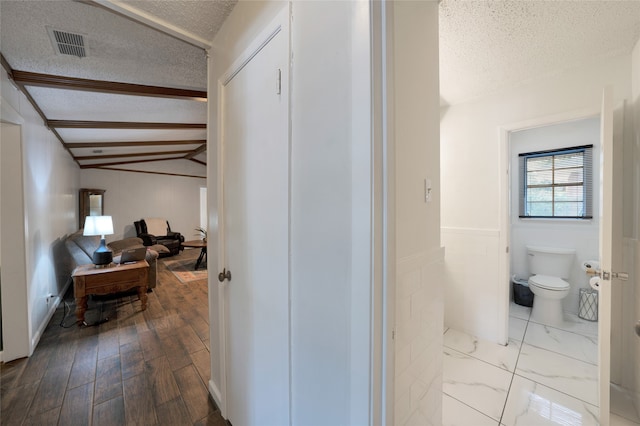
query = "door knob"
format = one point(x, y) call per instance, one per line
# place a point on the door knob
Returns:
point(638, 328)
point(224, 275)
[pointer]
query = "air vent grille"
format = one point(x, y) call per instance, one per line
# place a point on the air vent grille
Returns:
point(66, 43)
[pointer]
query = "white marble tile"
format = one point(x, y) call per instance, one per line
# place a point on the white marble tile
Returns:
point(582, 347)
point(504, 357)
point(533, 404)
point(576, 378)
point(455, 413)
point(616, 420)
point(623, 404)
point(575, 324)
point(477, 384)
point(519, 311)
point(517, 327)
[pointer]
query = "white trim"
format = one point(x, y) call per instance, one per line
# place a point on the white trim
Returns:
point(215, 393)
point(154, 22)
point(383, 209)
point(472, 231)
point(278, 24)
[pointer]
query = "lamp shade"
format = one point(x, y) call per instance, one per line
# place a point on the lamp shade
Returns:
point(98, 225)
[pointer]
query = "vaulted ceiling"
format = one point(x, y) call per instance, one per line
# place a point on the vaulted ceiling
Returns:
point(122, 85)
point(137, 100)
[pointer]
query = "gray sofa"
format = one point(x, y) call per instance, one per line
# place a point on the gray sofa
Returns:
point(81, 248)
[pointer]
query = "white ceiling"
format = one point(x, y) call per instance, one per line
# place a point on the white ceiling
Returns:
point(486, 46)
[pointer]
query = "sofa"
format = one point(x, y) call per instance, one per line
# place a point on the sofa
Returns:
point(157, 231)
point(80, 249)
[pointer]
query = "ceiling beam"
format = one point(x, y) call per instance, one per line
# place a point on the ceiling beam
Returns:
point(25, 92)
point(151, 21)
point(71, 83)
point(117, 163)
point(196, 151)
point(150, 172)
point(129, 155)
point(73, 145)
point(78, 124)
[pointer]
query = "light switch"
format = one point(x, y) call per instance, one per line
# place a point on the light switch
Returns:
point(427, 190)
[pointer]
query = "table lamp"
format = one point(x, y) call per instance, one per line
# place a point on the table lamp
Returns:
point(100, 225)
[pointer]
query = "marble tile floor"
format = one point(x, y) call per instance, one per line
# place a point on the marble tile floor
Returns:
point(544, 376)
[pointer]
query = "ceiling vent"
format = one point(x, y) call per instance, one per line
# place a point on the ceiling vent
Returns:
point(66, 43)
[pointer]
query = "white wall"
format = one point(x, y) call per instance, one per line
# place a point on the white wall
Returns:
point(51, 182)
point(470, 154)
point(581, 235)
point(419, 294)
point(131, 196)
point(330, 129)
point(635, 232)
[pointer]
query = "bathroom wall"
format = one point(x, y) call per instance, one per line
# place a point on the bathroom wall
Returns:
point(470, 180)
point(581, 235)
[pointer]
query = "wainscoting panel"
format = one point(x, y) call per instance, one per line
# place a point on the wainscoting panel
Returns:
point(471, 281)
point(418, 340)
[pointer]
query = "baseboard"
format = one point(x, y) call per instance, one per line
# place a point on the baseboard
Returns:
point(52, 310)
point(215, 393)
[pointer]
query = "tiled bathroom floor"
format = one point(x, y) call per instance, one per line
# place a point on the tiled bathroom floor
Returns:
point(544, 376)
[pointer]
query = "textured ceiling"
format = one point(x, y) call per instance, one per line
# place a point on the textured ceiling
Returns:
point(118, 49)
point(486, 46)
point(201, 17)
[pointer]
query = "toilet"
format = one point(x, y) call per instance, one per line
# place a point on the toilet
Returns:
point(550, 268)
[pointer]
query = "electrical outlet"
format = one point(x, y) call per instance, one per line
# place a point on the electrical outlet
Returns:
point(49, 298)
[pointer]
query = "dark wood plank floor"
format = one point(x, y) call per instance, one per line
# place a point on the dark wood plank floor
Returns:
point(137, 368)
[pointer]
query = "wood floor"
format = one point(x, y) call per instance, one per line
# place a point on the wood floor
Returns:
point(138, 368)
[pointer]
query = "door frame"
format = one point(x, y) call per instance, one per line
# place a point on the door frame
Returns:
point(505, 202)
point(16, 323)
point(279, 24)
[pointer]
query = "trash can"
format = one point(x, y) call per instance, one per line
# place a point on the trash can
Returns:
point(588, 304)
point(522, 294)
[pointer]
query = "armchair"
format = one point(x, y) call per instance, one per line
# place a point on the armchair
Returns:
point(154, 231)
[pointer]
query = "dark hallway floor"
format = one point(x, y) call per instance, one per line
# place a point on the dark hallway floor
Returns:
point(148, 367)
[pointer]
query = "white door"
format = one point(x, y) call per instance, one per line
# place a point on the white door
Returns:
point(255, 240)
point(609, 214)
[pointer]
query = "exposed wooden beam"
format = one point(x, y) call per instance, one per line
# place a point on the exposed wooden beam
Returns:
point(77, 124)
point(129, 155)
point(196, 151)
point(118, 169)
point(25, 92)
point(118, 163)
point(74, 145)
point(72, 83)
point(151, 21)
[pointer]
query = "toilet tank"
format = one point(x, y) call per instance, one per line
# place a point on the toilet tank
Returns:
point(555, 262)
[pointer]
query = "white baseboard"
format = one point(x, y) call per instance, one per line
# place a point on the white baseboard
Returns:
point(215, 393)
point(52, 310)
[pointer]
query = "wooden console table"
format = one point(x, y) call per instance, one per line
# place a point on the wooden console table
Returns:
point(87, 279)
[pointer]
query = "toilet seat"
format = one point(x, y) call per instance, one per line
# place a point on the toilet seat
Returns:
point(549, 283)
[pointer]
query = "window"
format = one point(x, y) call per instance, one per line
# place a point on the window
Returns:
point(557, 184)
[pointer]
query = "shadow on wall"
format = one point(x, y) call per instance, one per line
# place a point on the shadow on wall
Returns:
point(129, 231)
point(61, 263)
